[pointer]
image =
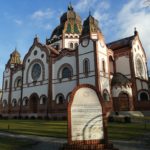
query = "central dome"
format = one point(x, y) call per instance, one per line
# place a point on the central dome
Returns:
point(70, 15)
point(70, 23)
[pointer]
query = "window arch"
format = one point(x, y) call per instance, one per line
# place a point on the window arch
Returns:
point(59, 98)
point(86, 66)
point(18, 82)
point(5, 103)
point(19, 102)
point(76, 45)
point(6, 84)
point(25, 101)
point(104, 67)
point(43, 100)
point(71, 45)
point(14, 102)
point(143, 96)
point(65, 71)
point(68, 96)
point(106, 96)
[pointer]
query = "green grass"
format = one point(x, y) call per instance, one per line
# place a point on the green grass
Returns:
point(7, 143)
point(59, 128)
point(35, 127)
point(126, 131)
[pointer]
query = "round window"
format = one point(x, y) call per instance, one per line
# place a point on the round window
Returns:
point(36, 71)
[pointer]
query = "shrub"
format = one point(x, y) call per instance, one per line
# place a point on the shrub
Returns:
point(110, 119)
point(64, 118)
point(26, 117)
point(55, 118)
point(40, 117)
point(127, 119)
point(32, 118)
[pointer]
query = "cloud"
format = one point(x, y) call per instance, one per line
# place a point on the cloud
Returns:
point(134, 14)
point(85, 5)
point(40, 14)
point(42, 18)
point(18, 22)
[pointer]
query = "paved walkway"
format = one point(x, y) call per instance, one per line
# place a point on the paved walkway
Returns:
point(49, 143)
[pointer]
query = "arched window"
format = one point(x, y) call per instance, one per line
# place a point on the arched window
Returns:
point(4, 103)
point(19, 102)
point(76, 45)
point(18, 82)
point(71, 45)
point(25, 101)
point(14, 102)
point(66, 73)
point(103, 67)
point(43, 100)
point(86, 66)
point(6, 84)
point(60, 99)
point(68, 96)
point(143, 96)
point(105, 95)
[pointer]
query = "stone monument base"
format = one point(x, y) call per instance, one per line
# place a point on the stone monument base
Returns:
point(108, 146)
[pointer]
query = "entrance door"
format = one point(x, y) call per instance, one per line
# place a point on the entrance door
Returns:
point(123, 102)
point(33, 103)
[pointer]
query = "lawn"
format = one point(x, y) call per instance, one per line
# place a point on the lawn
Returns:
point(126, 131)
point(116, 131)
point(59, 128)
point(35, 127)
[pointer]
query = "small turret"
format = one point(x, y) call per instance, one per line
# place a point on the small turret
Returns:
point(90, 26)
point(14, 59)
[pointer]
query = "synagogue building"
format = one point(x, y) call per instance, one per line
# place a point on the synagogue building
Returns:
point(40, 85)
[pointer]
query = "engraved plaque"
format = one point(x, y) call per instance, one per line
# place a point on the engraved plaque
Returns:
point(86, 116)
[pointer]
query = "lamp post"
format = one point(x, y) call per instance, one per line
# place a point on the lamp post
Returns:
point(21, 88)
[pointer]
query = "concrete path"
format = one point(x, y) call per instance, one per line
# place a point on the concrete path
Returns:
point(49, 143)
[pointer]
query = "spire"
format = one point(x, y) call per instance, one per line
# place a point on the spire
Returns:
point(89, 13)
point(135, 31)
point(36, 39)
point(70, 6)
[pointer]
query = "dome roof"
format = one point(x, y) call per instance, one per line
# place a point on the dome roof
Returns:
point(70, 22)
point(90, 25)
point(14, 58)
point(120, 80)
point(69, 15)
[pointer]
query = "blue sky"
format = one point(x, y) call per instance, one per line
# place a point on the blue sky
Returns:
point(21, 20)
